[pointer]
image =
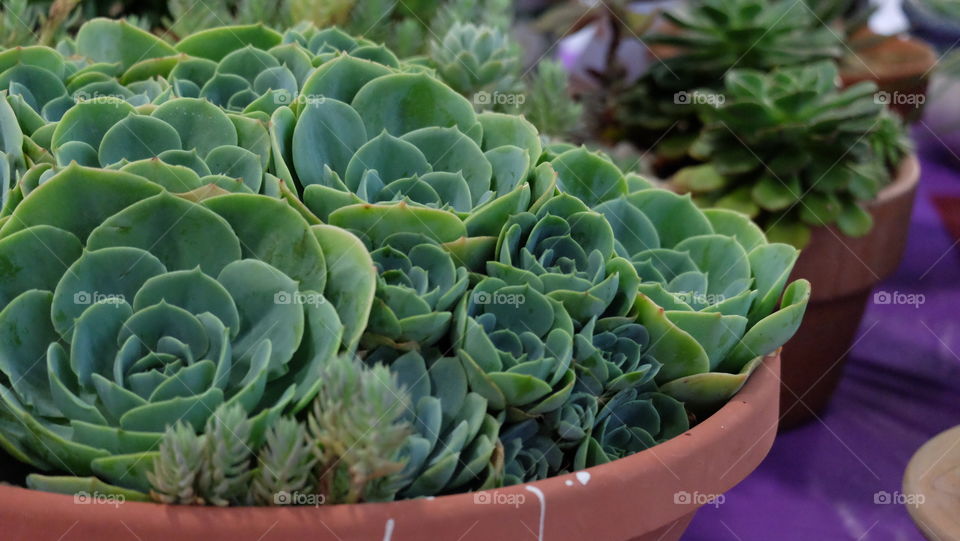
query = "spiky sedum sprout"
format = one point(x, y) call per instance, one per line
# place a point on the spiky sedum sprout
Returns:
point(27, 23)
point(209, 468)
point(225, 471)
point(346, 452)
point(548, 103)
point(175, 470)
point(285, 462)
point(356, 425)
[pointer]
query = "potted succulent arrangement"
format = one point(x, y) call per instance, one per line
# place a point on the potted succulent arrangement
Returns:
point(746, 110)
point(701, 44)
point(821, 168)
point(285, 270)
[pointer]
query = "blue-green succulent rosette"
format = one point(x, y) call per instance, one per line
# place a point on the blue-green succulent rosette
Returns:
point(368, 136)
point(713, 293)
point(127, 308)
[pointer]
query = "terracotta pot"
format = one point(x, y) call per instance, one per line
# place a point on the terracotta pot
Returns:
point(842, 271)
point(931, 487)
point(899, 65)
point(651, 495)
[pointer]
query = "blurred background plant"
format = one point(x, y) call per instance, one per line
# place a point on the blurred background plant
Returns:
point(25, 23)
point(468, 43)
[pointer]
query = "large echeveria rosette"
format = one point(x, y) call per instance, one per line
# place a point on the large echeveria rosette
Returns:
point(44, 83)
point(371, 134)
point(120, 319)
point(254, 69)
point(182, 144)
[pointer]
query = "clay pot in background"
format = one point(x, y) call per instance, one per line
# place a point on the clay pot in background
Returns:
point(899, 65)
point(649, 496)
point(842, 272)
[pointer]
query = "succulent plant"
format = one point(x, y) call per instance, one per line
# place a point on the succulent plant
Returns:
point(358, 426)
point(212, 467)
point(794, 151)
point(565, 250)
point(419, 284)
point(473, 58)
point(463, 307)
point(706, 40)
point(715, 265)
point(516, 345)
point(117, 322)
point(12, 159)
point(344, 452)
point(370, 141)
point(453, 446)
point(23, 22)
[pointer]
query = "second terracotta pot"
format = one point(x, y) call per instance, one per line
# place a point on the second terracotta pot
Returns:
point(842, 272)
point(899, 65)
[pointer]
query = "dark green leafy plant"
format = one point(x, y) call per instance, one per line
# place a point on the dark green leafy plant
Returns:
point(794, 151)
point(706, 40)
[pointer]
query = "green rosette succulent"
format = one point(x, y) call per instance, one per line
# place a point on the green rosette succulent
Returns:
point(473, 59)
point(182, 144)
point(615, 409)
point(710, 288)
point(253, 68)
point(528, 454)
point(516, 345)
point(119, 320)
point(612, 355)
point(794, 151)
point(709, 285)
point(418, 286)
point(630, 422)
point(565, 250)
point(41, 79)
point(455, 440)
point(370, 140)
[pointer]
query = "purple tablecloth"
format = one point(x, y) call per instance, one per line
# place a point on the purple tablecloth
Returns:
point(900, 387)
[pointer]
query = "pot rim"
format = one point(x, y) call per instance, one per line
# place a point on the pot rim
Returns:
point(905, 179)
point(867, 65)
point(657, 488)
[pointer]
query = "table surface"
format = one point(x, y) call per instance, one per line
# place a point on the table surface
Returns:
point(823, 481)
